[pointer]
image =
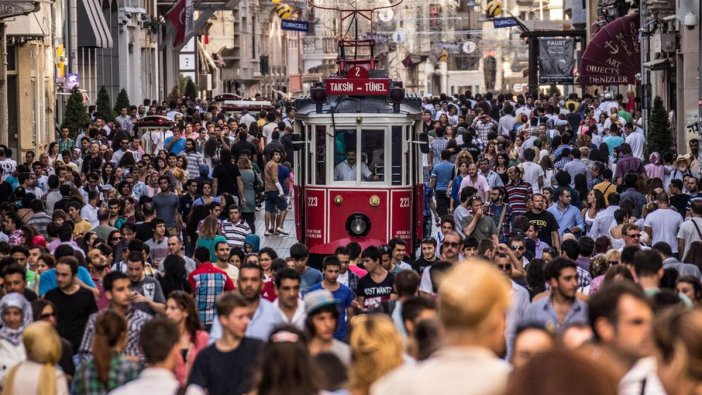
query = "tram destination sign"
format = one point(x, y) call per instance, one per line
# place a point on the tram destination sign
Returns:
point(358, 86)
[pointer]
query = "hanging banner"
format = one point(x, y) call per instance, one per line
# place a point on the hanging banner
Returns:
point(613, 55)
point(556, 60)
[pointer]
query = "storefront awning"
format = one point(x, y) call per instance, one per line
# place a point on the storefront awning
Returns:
point(613, 56)
point(93, 31)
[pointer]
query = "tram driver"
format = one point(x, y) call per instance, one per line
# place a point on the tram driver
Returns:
point(346, 170)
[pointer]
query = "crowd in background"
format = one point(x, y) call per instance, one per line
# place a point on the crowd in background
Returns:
point(130, 262)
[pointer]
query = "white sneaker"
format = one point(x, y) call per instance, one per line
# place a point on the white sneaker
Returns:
point(282, 231)
point(269, 232)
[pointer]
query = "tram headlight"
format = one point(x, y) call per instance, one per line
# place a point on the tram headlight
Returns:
point(358, 225)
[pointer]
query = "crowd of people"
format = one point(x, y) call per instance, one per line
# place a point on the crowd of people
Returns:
point(129, 260)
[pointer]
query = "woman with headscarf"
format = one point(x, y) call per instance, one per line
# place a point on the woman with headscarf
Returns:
point(655, 169)
point(38, 374)
point(16, 313)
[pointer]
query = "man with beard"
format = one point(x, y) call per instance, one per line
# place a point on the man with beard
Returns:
point(428, 257)
point(264, 315)
point(544, 221)
point(561, 308)
point(620, 317)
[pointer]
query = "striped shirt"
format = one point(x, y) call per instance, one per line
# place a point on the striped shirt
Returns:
point(40, 221)
point(195, 159)
point(235, 233)
point(517, 195)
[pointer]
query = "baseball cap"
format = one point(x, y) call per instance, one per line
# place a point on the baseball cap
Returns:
point(316, 300)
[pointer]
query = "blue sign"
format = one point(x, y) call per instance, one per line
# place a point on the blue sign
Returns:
point(296, 26)
point(504, 22)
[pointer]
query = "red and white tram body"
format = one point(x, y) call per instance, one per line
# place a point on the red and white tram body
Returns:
point(358, 169)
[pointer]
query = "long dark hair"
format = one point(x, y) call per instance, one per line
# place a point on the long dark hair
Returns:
point(175, 275)
point(187, 304)
point(286, 367)
point(694, 254)
point(110, 328)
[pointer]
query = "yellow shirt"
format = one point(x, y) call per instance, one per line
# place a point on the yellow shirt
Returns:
point(81, 228)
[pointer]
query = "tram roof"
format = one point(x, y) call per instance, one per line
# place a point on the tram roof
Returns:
point(410, 106)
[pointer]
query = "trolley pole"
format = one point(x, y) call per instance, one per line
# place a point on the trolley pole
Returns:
point(3, 85)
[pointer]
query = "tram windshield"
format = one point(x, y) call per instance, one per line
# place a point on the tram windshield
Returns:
point(351, 162)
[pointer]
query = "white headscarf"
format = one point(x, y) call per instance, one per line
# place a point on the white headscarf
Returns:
point(13, 299)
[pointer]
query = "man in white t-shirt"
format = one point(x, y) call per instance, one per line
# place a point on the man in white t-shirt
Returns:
point(691, 230)
point(663, 223)
point(270, 126)
point(636, 140)
point(533, 173)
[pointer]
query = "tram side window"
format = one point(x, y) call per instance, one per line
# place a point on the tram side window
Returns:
point(321, 155)
point(345, 155)
point(396, 145)
point(373, 155)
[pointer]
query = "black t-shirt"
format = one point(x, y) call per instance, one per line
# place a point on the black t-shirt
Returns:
point(418, 265)
point(239, 146)
point(72, 313)
point(375, 293)
point(144, 231)
point(226, 373)
point(680, 201)
point(545, 222)
point(30, 295)
point(5, 191)
point(226, 175)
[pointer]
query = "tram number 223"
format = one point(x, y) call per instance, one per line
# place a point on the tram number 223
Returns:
point(404, 202)
point(312, 201)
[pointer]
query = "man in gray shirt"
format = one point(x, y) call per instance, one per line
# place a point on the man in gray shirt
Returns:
point(575, 167)
point(166, 205)
point(146, 293)
point(670, 261)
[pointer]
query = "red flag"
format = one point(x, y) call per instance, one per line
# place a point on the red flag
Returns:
point(176, 16)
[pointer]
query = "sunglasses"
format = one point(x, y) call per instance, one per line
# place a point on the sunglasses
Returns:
point(452, 244)
point(46, 316)
point(613, 262)
point(517, 248)
point(504, 267)
point(634, 236)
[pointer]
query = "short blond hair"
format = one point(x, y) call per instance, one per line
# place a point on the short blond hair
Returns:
point(376, 349)
point(470, 292)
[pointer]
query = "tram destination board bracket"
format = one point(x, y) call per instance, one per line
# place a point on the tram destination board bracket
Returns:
point(358, 86)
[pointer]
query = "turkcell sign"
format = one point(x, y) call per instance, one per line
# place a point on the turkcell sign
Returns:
point(504, 22)
point(358, 87)
point(296, 26)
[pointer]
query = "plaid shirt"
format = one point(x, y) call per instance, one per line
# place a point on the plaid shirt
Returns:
point(208, 282)
point(136, 320)
point(439, 144)
point(353, 281)
point(561, 162)
point(483, 128)
point(86, 381)
point(506, 231)
point(66, 145)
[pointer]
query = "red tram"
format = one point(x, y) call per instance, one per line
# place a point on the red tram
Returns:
point(358, 171)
